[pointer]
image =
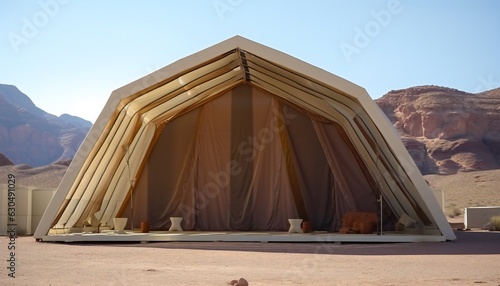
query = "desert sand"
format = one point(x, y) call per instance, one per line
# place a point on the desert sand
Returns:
point(468, 189)
point(472, 259)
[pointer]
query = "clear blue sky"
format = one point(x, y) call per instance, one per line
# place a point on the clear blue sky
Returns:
point(69, 55)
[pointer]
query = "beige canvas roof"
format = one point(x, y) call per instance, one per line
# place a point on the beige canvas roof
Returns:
point(116, 160)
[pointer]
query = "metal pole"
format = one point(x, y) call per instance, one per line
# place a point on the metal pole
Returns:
point(131, 189)
point(381, 212)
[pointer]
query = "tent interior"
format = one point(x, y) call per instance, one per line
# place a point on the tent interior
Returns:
point(231, 140)
point(248, 161)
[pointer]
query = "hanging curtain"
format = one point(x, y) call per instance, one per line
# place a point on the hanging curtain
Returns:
point(313, 173)
point(352, 189)
point(248, 162)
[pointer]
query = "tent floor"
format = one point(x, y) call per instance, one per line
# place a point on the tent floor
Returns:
point(208, 236)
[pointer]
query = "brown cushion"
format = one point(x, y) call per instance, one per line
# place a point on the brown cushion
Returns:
point(359, 222)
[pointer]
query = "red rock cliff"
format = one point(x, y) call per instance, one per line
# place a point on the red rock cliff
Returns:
point(447, 130)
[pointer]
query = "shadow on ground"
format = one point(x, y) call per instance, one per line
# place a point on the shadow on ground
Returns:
point(467, 242)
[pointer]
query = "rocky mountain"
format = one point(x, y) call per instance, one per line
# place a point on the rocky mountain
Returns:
point(29, 135)
point(446, 130)
point(4, 161)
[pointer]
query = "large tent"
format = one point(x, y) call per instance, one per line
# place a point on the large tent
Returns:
point(239, 138)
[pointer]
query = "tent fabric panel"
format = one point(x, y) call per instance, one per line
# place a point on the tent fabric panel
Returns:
point(214, 167)
point(178, 186)
point(315, 177)
point(272, 199)
point(241, 206)
point(354, 183)
point(261, 188)
point(168, 171)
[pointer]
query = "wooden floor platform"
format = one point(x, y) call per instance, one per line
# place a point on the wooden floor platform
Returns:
point(207, 236)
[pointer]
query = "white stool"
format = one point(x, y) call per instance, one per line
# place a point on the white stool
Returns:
point(176, 223)
point(295, 225)
point(92, 225)
point(120, 223)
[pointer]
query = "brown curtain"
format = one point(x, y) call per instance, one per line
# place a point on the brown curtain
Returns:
point(352, 189)
point(245, 162)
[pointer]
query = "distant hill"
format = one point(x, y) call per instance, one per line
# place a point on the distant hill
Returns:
point(75, 121)
point(4, 161)
point(29, 135)
point(446, 130)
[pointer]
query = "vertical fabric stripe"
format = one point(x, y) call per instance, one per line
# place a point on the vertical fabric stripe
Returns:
point(242, 154)
point(290, 166)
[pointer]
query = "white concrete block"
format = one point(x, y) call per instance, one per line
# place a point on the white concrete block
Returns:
point(477, 217)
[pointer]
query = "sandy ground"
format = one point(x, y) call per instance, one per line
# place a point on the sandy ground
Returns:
point(468, 189)
point(42, 177)
point(474, 258)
